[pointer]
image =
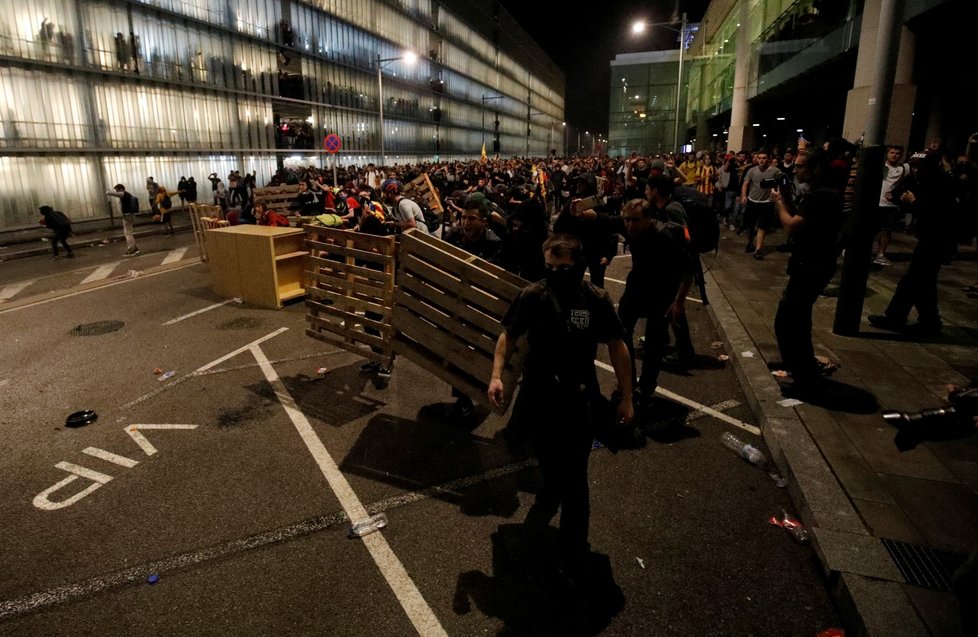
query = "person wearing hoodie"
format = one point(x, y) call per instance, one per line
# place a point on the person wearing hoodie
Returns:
point(599, 243)
point(58, 223)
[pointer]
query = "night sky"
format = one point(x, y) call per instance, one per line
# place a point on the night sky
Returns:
point(582, 42)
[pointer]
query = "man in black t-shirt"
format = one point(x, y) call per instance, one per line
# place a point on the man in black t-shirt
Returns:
point(564, 319)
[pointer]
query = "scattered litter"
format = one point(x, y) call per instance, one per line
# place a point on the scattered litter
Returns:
point(322, 371)
point(370, 525)
point(237, 300)
point(81, 418)
point(166, 376)
point(723, 357)
point(680, 494)
point(790, 402)
point(832, 632)
point(717, 344)
point(158, 371)
point(105, 242)
point(779, 373)
point(779, 481)
point(153, 578)
point(790, 524)
point(747, 354)
point(131, 274)
point(596, 445)
point(641, 562)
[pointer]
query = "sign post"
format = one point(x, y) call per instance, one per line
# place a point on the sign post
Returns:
point(332, 144)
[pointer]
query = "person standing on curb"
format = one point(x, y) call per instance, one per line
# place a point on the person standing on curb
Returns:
point(129, 206)
point(564, 319)
point(58, 223)
point(812, 216)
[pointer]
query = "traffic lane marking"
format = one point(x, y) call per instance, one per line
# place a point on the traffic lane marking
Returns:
point(201, 311)
point(693, 404)
point(175, 255)
point(101, 272)
point(11, 291)
point(407, 593)
point(137, 574)
point(608, 278)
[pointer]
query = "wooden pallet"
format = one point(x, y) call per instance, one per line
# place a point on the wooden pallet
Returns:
point(349, 274)
point(281, 199)
point(204, 218)
point(421, 190)
point(447, 314)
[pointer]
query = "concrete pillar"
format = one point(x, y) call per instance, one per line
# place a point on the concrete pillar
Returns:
point(741, 134)
point(904, 91)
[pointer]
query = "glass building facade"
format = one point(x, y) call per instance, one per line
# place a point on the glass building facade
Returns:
point(642, 112)
point(99, 92)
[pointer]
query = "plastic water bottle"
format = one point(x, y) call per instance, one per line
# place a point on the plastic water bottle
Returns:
point(748, 452)
point(370, 525)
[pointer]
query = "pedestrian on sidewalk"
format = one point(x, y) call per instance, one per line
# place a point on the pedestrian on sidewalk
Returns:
point(164, 204)
point(895, 177)
point(564, 319)
point(759, 213)
point(128, 205)
point(152, 189)
point(58, 223)
point(812, 215)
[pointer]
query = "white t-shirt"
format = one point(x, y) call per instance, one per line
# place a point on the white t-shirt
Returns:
point(407, 209)
point(892, 175)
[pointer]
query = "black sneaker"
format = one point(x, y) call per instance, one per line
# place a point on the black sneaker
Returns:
point(678, 358)
point(383, 378)
point(749, 247)
point(758, 255)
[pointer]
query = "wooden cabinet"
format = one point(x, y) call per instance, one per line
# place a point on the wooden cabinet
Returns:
point(259, 264)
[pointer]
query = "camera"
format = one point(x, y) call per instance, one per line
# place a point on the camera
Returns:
point(781, 181)
point(941, 423)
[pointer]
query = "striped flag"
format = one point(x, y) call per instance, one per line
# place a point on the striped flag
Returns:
point(484, 159)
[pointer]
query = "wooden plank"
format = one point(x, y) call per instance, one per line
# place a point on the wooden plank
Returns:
point(350, 317)
point(410, 285)
point(426, 361)
point(362, 241)
point(359, 286)
point(363, 255)
point(466, 334)
point(347, 268)
point(462, 255)
point(367, 305)
point(441, 343)
point(347, 336)
point(455, 262)
point(359, 350)
point(494, 306)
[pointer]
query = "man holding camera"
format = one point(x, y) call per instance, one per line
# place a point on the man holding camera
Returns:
point(812, 214)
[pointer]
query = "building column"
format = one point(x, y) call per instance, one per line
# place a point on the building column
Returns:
point(740, 134)
point(904, 91)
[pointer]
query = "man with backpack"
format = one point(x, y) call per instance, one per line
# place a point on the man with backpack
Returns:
point(129, 206)
point(407, 214)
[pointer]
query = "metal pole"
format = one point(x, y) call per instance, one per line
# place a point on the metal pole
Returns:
point(483, 120)
point(380, 103)
point(869, 178)
point(679, 83)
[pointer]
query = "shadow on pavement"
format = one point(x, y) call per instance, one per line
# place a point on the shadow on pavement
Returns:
point(838, 396)
point(666, 422)
point(527, 593)
point(335, 398)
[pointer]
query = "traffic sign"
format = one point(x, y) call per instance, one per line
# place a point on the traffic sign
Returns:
point(332, 143)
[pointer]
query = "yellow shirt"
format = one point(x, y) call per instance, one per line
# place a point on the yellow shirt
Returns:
point(691, 169)
point(706, 183)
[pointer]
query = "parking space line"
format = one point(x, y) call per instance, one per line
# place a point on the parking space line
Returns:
point(174, 255)
point(407, 593)
point(11, 291)
point(108, 456)
point(665, 393)
point(201, 311)
point(101, 272)
point(240, 350)
point(608, 278)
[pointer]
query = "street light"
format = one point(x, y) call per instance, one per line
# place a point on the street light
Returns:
point(408, 56)
point(638, 28)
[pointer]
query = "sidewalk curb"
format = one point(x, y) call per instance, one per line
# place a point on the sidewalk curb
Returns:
point(113, 238)
point(862, 578)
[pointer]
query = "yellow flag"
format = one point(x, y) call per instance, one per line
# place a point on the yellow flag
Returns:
point(484, 158)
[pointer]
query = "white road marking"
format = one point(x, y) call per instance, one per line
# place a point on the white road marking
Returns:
point(91, 474)
point(146, 445)
point(417, 609)
point(200, 311)
point(137, 574)
point(101, 272)
point(665, 393)
point(175, 255)
point(250, 346)
point(108, 456)
point(721, 406)
point(608, 278)
point(11, 291)
point(4, 382)
point(101, 287)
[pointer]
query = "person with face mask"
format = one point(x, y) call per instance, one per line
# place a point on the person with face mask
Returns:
point(564, 320)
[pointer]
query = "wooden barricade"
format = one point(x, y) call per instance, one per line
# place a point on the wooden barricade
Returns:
point(277, 198)
point(350, 275)
point(447, 314)
point(204, 218)
point(420, 189)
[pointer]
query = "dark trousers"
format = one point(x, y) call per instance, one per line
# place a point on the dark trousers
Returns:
point(680, 329)
point(62, 238)
point(632, 307)
point(918, 287)
point(793, 323)
point(596, 271)
point(560, 432)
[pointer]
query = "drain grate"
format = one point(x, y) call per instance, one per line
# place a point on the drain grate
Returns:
point(97, 328)
point(922, 566)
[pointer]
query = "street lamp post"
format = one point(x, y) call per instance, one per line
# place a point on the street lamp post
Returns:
point(408, 57)
point(564, 125)
point(486, 98)
point(639, 27)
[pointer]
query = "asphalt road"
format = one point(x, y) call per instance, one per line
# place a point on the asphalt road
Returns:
point(240, 509)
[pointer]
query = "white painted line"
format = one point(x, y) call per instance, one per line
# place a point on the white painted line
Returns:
point(101, 272)
point(101, 287)
point(200, 311)
point(108, 456)
point(137, 574)
point(175, 255)
point(245, 348)
point(417, 609)
point(94, 476)
point(4, 382)
point(721, 406)
point(140, 439)
point(665, 393)
point(11, 291)
point(608, 278)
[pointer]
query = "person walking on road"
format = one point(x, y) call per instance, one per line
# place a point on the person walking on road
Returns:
point(164, 204)
point(128, 206)
point(58, 223)
point(759, 213)
point(564, 319)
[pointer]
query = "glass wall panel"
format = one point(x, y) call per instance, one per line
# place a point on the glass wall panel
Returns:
point(42, 110)
point(69, 184)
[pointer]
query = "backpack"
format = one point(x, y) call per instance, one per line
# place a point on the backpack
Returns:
point(131, 205)
point(704, 229)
